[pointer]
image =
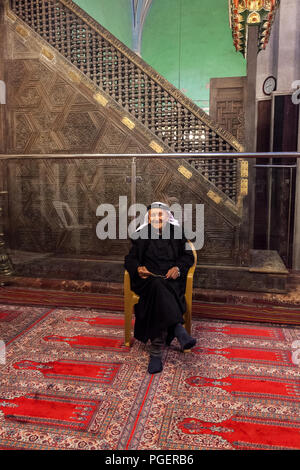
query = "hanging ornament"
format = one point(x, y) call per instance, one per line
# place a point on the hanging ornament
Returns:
point(248, 12)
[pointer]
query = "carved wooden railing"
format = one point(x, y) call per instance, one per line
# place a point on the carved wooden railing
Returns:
point(132, 83)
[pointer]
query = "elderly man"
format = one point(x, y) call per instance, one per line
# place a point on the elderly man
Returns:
point(158, 264)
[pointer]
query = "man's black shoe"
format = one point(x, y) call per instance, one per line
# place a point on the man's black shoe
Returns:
point(155, 365)
point(186, 341)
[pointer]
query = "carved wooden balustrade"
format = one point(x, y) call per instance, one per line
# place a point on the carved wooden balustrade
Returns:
point(132, 83)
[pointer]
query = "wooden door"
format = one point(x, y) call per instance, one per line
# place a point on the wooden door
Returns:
point(227, 104)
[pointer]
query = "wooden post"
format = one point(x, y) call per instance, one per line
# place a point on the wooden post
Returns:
point(250, 112)
point(3, 138)
point(6, 268)
point(3, 118)
point(247, 231)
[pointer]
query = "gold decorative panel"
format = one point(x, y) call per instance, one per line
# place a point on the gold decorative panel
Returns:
point(185, 172)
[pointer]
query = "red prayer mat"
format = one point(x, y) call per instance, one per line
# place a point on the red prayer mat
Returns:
point(251, 332)
point(253, 354)
point(50, 410)
point(98, 372)
point(8, 316)
point(246, 433)
point(100, 321)
point(90, 342)
point(246, 384)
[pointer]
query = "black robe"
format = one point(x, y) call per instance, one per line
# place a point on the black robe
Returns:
point(162, 303)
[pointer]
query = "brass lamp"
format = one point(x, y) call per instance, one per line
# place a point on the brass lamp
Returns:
point(243, 13)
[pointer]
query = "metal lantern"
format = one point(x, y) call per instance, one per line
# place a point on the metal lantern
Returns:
point(243, 13)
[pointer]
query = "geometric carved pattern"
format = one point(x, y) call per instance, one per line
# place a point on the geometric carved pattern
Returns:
point(54, 117)
point(79, 129)
point(227, 107)
point(227, 104)
point(230, 115)
point(81, 185)
point(176, 120)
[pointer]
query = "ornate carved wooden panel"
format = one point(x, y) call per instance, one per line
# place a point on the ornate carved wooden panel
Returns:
point(49, 115)
point(55, 202)
point(227, 104)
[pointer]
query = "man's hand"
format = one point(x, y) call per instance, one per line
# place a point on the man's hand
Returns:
point(173, 273)
point(143, 272)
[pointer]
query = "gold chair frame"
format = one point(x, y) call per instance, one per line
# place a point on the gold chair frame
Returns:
point(130, 299)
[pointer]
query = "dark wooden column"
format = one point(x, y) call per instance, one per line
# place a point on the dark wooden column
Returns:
point(2, 77)
point(250, 111)
point(3, 106)
point(5, 265)
point(250, 132)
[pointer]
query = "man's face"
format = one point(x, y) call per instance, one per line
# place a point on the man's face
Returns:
point(158, 218)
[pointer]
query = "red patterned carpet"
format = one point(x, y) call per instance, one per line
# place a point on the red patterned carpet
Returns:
point(70, 383)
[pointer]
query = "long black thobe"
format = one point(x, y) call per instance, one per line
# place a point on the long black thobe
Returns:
point(162, 303)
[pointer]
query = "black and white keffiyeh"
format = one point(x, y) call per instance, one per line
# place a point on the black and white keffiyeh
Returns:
point(159, 205)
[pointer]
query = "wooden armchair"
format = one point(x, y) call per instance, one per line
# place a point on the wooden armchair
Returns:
point(130, 299)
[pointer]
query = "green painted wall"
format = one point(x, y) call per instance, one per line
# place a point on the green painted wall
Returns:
point(186, 41)
point(114, 15)
point(189, 42)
